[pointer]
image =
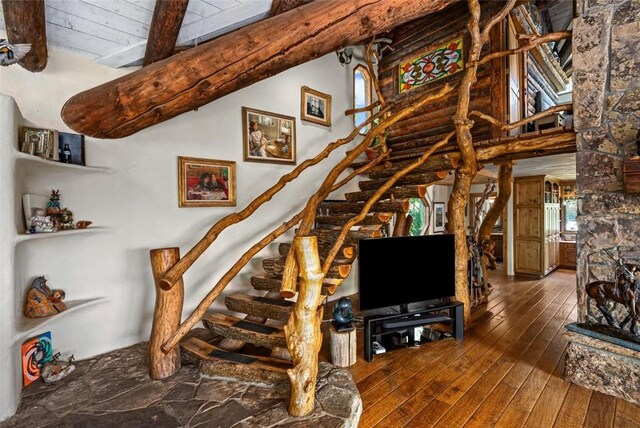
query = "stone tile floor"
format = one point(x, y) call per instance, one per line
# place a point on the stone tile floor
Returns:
point(114, 389)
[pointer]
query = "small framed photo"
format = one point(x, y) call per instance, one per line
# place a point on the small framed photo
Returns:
point(268, 137)
point(438, 217)
point(38, 142)
point(206, 182)
point(71, 148)
point(315, 106)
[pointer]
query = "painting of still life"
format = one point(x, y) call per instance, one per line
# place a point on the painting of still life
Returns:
point(206, 182)
point(268, 137)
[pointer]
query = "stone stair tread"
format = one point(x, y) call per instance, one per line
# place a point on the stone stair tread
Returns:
point(235, 328)
point(278, 309)
point(214, 361)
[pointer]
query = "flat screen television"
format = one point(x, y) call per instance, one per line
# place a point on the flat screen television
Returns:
point(403, 270)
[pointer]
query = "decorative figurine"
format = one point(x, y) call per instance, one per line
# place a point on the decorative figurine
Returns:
point(12, 53)
point(65, 219)
point(41, 301)
point(83, 224)
point(41, 223)
point(56, 370)
point(53, 206)
point(624, 291)
point(343, 314)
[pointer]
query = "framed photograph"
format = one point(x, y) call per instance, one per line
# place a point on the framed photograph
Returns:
point(38, 142)
point(71, 148)
point(206, 182)
point(315, 106)
point(268, 137)
point(438, 217)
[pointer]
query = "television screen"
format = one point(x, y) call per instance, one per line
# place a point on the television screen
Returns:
point(402, 270)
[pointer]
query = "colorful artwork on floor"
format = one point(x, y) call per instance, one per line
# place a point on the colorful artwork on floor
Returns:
point(441, 62)
point(35, 352)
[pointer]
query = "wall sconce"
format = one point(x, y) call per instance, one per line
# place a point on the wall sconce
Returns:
point(345, 55)
point(580, 205)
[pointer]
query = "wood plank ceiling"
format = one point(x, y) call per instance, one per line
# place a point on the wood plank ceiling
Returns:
point(114, 32)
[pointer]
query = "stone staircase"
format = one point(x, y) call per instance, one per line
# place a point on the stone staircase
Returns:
point(253, 348)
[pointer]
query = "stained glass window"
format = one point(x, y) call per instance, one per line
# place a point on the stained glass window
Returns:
point(441, 62)
point(361, 95)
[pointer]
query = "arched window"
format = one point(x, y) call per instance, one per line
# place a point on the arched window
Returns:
point(361, 95)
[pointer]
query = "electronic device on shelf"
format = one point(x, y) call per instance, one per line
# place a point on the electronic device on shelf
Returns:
point(405, 270)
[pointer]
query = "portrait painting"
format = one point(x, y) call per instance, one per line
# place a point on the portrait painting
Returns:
point(206, 182)
point(268, 137)
point(315, 106)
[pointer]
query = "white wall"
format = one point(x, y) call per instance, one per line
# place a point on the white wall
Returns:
point(138, 201)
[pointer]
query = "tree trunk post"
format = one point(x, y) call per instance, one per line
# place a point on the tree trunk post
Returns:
point(166, 314)
point(303, 334)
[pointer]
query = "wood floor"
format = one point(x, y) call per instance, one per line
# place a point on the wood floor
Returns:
point(507, 372)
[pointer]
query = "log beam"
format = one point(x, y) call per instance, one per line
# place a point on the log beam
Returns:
point(165, 26)
point(282, 6)
point(24, 22)
point(236, 60)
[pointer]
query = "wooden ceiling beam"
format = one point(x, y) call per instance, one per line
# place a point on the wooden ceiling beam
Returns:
point(234, 61)
point(24, 23)
point(282, 6)
point(165, 26)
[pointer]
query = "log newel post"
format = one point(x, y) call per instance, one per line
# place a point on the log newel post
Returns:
point(166, 314)
point(303, 334)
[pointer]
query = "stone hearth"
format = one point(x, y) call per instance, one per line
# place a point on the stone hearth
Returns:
point(114, 389)
point(596, 361)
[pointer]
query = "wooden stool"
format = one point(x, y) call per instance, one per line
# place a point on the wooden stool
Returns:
point(343, 347)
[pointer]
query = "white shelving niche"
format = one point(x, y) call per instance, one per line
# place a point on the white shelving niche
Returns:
point(21, 258)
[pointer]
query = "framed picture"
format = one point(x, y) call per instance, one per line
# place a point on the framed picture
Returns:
point(268, 137)
point(38, 142)
point(315, 106)
point(206, 182)
point(35, 352)
point(71, 148)
point(438, 217)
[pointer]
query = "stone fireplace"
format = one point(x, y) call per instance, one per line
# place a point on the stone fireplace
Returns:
point(606, 94)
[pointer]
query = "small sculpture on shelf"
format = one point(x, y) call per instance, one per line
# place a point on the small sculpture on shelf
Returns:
point(343, 315)
point(65, 219)
point(41, 301)
point(56, 370)
point(41, 223)
point(53, 206)
point(83, 224)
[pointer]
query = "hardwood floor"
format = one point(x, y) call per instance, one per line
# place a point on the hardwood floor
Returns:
point(507, 372)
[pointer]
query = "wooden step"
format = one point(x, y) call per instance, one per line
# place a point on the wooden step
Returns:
point(275, 309)
point(342, 219)
point(437, 163)
point(356, 207)
point(411, 179)
point(404, 192)
point(360, 164)
point(329, 237)
point(346, 252)
point(339, 268)
point(274, 283)
point(246, 331)
point(213, 361)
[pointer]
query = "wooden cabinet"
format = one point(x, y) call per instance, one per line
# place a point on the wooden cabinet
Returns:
point(536, 225)
point(568, 255)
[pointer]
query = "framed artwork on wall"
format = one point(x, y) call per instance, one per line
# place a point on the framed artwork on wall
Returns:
point(206, 182)
point(268, 137)
point(315, 106)
point(38, 142)
point(438, 217)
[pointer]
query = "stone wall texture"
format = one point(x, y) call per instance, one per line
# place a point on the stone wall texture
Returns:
point(606, 94)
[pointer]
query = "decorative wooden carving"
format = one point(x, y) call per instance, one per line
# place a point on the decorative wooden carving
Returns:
point(233, 61)
point(166, 315)
point(302, 331)
point(165, 26)
point(24, 22)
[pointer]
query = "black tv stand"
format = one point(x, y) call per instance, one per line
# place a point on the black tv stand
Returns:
point(379, 324)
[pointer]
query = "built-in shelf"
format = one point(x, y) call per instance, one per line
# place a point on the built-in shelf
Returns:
point(44, 235)
point(35, 159)
point(26, 327)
